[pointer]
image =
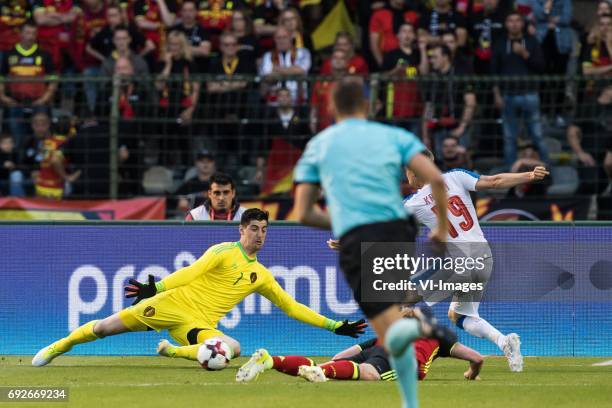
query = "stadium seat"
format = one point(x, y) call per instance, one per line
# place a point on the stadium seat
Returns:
point(565, 181)
point(158, 180)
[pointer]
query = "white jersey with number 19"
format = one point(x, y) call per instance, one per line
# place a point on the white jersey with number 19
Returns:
point(463, 221)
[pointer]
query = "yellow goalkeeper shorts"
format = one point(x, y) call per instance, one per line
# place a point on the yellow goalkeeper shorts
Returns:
point(163, 312)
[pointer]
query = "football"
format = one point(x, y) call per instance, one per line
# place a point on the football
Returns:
point(214, 354)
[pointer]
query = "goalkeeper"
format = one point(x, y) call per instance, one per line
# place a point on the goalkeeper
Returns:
point(190, 302)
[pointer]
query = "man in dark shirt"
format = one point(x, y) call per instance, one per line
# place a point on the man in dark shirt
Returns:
point(196, 35)
point(101, 45)
point(450, 104)
point(518, 55)
point(486, 27)
point(385, 22)
point(441, 20)
point(228, 96)
point(403, 102)
point(191, 192)
point(11, 177)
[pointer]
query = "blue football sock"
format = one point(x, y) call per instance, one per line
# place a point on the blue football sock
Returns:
point(399, 340)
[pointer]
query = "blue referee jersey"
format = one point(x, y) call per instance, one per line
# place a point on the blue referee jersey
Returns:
point(359, 165)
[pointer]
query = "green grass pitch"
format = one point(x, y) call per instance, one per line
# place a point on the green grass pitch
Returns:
point(97, 382)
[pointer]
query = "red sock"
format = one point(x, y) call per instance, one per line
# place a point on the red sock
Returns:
point(341, 370)
point(290, 364)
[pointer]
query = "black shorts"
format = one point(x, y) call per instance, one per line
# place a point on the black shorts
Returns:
point(376, 356)
point(350, 255)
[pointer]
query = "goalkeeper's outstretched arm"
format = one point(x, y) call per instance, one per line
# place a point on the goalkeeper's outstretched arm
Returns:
point(298, 311)
point(189, 273)
point(179, 278)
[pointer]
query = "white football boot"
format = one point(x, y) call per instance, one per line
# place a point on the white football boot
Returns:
point(46, 355)
point(512, 351)
point(312, 373)
point(259, 362)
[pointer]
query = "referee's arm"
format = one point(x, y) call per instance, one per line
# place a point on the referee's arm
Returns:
point(306, 208)
point(307, 191)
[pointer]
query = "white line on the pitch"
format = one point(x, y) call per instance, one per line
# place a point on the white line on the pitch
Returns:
point(603, 364)
point(424, 384)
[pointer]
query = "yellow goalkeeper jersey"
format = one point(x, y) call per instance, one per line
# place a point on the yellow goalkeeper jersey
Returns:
point(222, 278)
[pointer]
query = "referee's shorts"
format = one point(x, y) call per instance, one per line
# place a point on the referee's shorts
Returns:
point(350, 254)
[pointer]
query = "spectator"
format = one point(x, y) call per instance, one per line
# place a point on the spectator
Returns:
point(454, 155)
point(101, 45)
point(53, 179)
point(215, 17)
point(604, 8)
point(486, 28)
point(441, 20)
point(242, 27)
point(403, 102)
point(196, 186)
point(590, 138)
point(461, 60)
point(25, 61)
point(285, 59)
point(195, 33)
point(178, 98)
point(450, 103)
point(41, 130)
point(553, 18)
point(528, 159)
point(221, 204)
point(385, 22)
point(91, 22)
point(597, 57)
point(11, 177)
point(14, 14)
point(285, 122)
point(320, 99)
point(57, 21)
point(154, 17)
point(228, 97)
point(356, 63)
point(519, 54)
point(134, 104)
point(265, 17)
point(290, 19)
point(122, 41)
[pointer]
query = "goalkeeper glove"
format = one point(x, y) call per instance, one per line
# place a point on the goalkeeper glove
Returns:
point(140, 290)
point(352, 329)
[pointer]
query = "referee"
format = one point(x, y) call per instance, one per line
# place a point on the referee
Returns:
point(359, 165)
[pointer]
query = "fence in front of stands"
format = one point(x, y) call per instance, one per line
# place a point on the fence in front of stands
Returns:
point(134, 138)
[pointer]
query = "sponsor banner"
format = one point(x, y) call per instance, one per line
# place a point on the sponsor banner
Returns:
point(59, 276)
point(12, 208)
point(532, 209)
point(489, 209)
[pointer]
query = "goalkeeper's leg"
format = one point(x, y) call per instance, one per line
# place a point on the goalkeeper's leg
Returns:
point(197, 337)
point(90, 331)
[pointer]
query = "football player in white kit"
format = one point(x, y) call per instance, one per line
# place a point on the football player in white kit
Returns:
point(464, 230)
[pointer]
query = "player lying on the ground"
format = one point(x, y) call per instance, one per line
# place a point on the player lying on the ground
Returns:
point(464, 231)
point(365, 361)
point(190, 302)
